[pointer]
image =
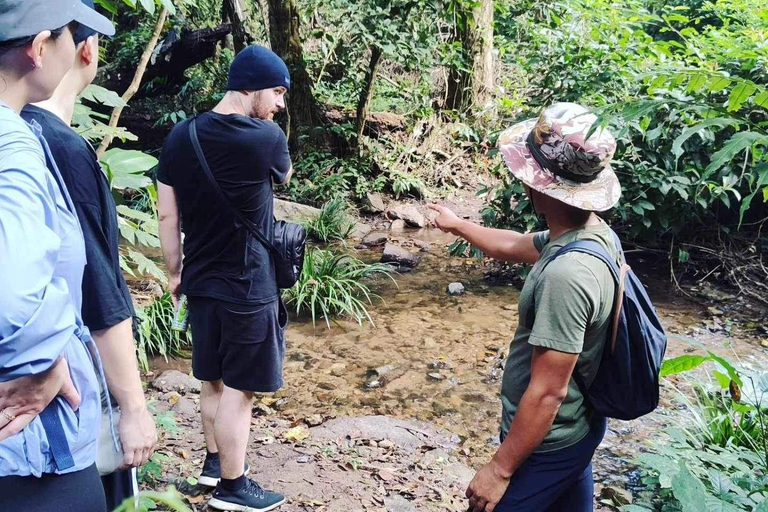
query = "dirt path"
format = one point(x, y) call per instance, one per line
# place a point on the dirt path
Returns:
point(434, 362)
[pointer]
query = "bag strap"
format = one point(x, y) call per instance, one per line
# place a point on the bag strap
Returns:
point(57, 439)
point(597, 250)
point(255, 231)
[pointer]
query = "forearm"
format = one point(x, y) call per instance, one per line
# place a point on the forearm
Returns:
point(170, 241)
point(496, 243)
point(532, 422)
point(118, 357)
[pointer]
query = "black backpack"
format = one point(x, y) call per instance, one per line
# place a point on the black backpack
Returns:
point(288, 238)
point(626, 385)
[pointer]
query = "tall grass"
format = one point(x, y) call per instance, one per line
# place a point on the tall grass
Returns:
point(333, 223)
point(155, 336)
point(331, 285)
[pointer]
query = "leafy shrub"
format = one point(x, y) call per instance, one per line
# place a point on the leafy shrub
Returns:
point(717, 457)
point(331, 285)
point(321, 176)
point(155, 336)
point(333, 223)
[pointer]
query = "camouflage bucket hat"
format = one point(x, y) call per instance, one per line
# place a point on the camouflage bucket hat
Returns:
point(550, 154)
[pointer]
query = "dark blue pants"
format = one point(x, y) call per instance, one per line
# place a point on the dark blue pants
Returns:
point(557, 481)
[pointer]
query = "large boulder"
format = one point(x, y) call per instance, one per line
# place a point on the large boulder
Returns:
point(409, 214)
point(396, 254)
point(294, 212)
point(373, 203)
point(174, 380)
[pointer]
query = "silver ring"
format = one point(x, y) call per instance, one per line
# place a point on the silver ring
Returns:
point(10, 417)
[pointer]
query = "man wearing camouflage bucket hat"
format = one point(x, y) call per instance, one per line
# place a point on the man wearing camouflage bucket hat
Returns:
point(548, 431)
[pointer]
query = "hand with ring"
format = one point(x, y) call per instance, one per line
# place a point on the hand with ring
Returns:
point(24, 398)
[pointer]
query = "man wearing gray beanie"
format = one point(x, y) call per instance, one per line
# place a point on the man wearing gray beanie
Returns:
point(237, 318)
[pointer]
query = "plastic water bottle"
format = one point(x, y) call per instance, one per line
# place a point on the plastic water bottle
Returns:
point(181, 317)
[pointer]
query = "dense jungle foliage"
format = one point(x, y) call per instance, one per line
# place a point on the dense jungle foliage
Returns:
point(408, 97)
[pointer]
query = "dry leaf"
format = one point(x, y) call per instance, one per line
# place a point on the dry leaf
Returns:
point(297, 434)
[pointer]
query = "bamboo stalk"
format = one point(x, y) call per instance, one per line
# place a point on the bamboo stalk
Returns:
point(136, 82)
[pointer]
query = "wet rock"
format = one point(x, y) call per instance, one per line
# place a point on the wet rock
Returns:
point(294, 212)
point(174, 380)
point(409, 214)
point(397, 225)
point(373, 203)
point(396, 254)
point(375, 239)
point(436, 376)
point(381, 376)
point(618, 495)
point(455, 289)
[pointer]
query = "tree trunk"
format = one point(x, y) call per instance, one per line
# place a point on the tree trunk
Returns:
point(303, 113)
point(233, 9)
point(136, 82)
point(367, 93)
point(471, 90)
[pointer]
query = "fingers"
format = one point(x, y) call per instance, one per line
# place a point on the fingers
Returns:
point(128, 458)
point(69, 393)
point(15, 426)
point(7, 414)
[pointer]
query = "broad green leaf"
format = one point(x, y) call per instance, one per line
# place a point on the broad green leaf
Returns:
point(732, 372)
point(722, 122)
point(681, 364)
point(761, 100)
point(718, 84)
point(689, 490)
point(148, 5)
point(722, 379)
point(762, 179)
point(735, 145)
point(696, 83)
point(638, 109)
point(101, 95)
point(740, 94)
point(635, 508)
point(762, 506)
point(168, 4)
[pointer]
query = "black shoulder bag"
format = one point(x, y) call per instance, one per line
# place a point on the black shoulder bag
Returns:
point(289, 239)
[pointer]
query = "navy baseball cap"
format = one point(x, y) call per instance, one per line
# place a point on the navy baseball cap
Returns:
point(24, 18)
point(82, 33)
point(256, 68)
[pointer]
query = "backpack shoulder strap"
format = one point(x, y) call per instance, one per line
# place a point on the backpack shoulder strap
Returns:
point(593, 249)
point(215, 185)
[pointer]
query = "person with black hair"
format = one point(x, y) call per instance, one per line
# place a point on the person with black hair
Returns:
point(107, 308)
point(49, 392)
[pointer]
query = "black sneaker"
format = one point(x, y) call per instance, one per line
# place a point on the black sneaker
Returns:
point(251, 497)
point(211, 473)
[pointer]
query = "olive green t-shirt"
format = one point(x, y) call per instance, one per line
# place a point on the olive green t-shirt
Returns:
point(570, 305)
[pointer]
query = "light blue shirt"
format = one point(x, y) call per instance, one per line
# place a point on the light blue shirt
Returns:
point(42, 256)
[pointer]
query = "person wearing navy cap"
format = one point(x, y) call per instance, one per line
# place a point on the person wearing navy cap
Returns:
point(50, 407)
point(235, 312)
point(107, 309)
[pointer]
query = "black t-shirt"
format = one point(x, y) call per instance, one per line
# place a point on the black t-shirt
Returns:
point(106, 298)
point(221, 258)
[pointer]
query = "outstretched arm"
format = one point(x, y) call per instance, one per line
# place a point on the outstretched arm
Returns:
point(500, 244)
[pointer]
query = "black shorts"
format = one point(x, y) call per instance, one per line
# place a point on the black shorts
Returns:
point(244, 345)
